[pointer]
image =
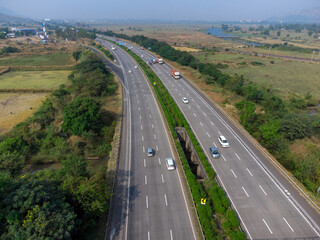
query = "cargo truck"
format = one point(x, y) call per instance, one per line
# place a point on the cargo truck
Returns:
point(175, 74)
point(153, 60)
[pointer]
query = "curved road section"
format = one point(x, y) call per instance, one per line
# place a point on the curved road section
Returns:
point(149, 201)
point(268, 205)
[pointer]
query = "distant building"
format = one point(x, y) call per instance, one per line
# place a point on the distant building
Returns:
point(11, 35)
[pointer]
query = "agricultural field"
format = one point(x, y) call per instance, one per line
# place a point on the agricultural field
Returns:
point(287, 76)
point(15, 108)
point(33, 79)
point(56, 59)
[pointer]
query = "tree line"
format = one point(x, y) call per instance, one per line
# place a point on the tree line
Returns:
point(69, 126)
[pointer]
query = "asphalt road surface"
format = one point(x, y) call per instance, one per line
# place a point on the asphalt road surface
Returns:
point(149, 201)
point(268, 204)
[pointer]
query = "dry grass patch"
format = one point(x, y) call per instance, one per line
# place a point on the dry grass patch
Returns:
point(187, 49)
point(15, 108)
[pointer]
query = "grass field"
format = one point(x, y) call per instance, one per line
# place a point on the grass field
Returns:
point(33, 79)
point(284, 75)
point(57, 59)
point(15, 108)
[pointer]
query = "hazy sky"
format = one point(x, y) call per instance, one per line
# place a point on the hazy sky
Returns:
point(209, 10)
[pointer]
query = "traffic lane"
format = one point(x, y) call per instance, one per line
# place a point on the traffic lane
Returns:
point(180, 220)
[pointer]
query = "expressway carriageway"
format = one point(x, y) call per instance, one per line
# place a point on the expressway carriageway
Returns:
point(268, 205)
point(149, 201)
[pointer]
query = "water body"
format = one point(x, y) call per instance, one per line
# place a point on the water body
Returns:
point(219, 33)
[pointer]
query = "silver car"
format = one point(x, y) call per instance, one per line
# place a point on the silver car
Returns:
point(150, 152)
point(171, 165)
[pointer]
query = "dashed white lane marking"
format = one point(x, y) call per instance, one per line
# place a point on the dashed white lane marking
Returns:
point(152, 126)
point(238, 156)
point(176, 89)
point(223, 158)
point(189, 107)
point(263, 190)
point(188, 94)
point(143, 149)
point(148, 107)
point(249, 172)
point(138, 101)
point(192, 99)
point(211, 123)
point(171, 235)
point(204, 114)
point(194, 114)
point(144, 163)
point(208, 134)
point(160, 162)
point(198, 106)
point(201, 124)
point(234, 174)
point(267, 225)
point(139, 108)
point(214, 144)
point(180, 94)
point(142, 138)
point(150, 116)
point(145, 179)
point(245, 191)
point(148, 235)
point(147, 204)
point(165, 199)
point(288, 224)
point(157, 147)
point(155, 138)
point(140, 117)
point(219, 133)
point(141, 127)
point(162, 177)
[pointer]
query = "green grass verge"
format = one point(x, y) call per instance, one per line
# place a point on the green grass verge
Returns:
point(33, 79)
point(217, 202)
point(57, 59)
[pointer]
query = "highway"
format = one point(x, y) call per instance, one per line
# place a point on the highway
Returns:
point(149, 201)
point(268, 205)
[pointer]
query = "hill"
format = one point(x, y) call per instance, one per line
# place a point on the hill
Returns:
point(8, 20)
point(306, 16)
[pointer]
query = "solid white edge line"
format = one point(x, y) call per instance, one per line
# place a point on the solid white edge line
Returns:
point(267, 225)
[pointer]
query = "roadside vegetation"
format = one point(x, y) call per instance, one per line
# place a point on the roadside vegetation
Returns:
point(275, 122)
point(69, 128)
point(225, 223)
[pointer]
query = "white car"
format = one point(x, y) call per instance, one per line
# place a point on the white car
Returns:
point(185, 100)
point(223, 141)
point(135, 67)
point(170, 164)
point(142, 55)
point(129, 71)
point(150, 152)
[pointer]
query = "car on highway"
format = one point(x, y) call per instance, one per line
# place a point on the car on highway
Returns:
point(223, 141)
point(142, 55)
point(171, 165)
point(135, 67)
point(129, 71)
point(214, 152)
point(150, 152)
point(185, 100)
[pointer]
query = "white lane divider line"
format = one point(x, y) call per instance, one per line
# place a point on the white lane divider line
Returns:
point(263, 190)
point(159, 162)
point(165, 199)
point(194, 115)
point(211, 123)
point(145, 179)
point(245, 192)
point(152, 126)
point(148, 107)
point(171, 235)
point(155, 138)
point(148, 235)
point(201, 124)
point(188, 94)
point(144, 163)
point(223, 158)
point(249, 172)
point(214, 144)
point(219, 133)
point(142, 138)
point(139, 108)
point(143, 149)
point(288, 224)
point(189, 107)
point(157, 147)
point(150, 116)
point(208, 134)
point(141, 127)
point(147, 202)
point(138, 101)
point(140, 117)
point(234, 174)
point(238, 156)
point(198, 106)
point(267, 225)
point(192, 99)
point(162, 179)
point(204, 114)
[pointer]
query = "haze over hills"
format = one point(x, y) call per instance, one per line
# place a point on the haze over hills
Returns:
point(305, 16)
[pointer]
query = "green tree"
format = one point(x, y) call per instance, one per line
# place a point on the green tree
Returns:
point(81, 115)
point(296, 126)
point(270, 134)
point(74, 166)
point(247, 114)
point(76, 55)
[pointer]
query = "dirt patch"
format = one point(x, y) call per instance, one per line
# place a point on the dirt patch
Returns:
point(15, 108)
